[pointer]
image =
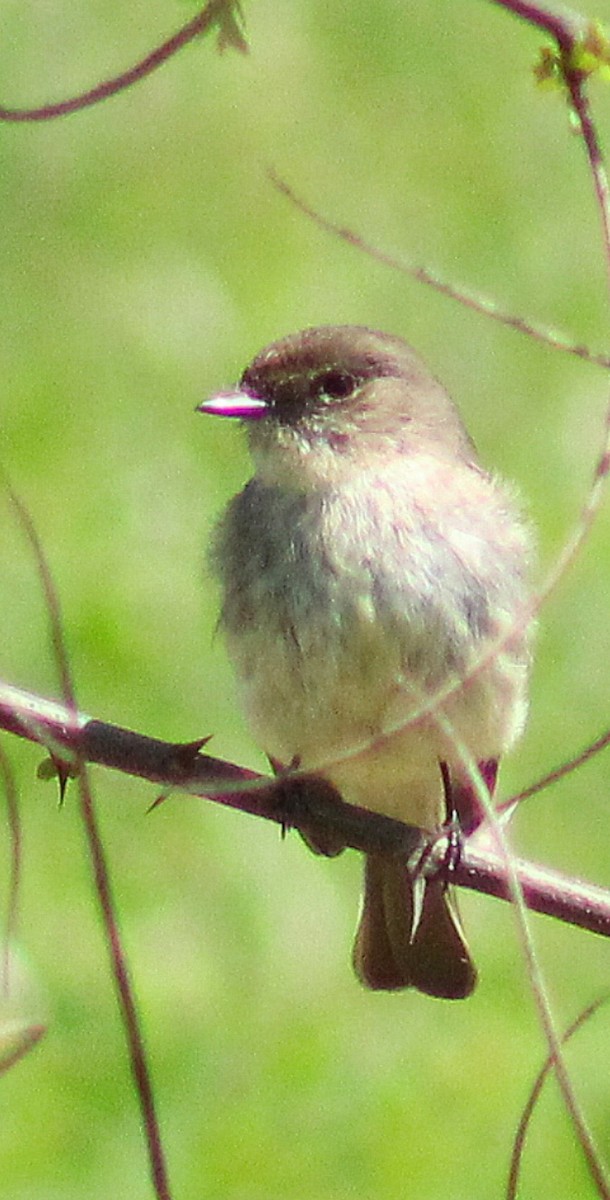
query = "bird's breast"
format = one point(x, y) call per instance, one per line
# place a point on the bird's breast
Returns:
point(343, 609)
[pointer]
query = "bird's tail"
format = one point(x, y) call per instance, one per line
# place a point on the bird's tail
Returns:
point(393, 951)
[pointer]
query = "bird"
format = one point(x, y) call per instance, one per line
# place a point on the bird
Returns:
point(370, 564)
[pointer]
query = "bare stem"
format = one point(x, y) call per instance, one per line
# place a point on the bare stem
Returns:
point(553, 338)
point(15, 839)
point(557, 773)
point(120, 971)
point(528, 1112)
point(563, 24)
point(210, 15)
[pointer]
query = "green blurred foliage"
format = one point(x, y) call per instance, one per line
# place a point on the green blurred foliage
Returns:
point(144, 258)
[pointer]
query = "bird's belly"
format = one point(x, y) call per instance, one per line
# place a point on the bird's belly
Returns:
point(346, 708)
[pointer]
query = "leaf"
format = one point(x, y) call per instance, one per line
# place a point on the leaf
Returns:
point(231, 25)
point(589, 55)
point(17, 1038)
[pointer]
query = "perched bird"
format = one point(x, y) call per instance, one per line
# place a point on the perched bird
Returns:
point(368, 564)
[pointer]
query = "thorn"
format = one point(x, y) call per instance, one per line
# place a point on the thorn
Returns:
point(197, 745)
point(57, 768)
point(279, 768)
point(181, 757)
point(63, 775)
point(276, 766)
point(155, 804)
point(184, 753)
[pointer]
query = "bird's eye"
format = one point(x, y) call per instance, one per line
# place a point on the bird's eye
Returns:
point(335, 384)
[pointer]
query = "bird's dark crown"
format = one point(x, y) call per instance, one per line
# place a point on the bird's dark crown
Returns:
point(326, 366)
point(352, 389)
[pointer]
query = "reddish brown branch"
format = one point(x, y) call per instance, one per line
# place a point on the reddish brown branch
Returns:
point(544, 890)
point(561, 23)
point(70, 719)
point(534, 1096)
point(14, 874)
point(213, 13)
point(124, 986)
point(543, 334)
point(299, 801)
point(558, 773)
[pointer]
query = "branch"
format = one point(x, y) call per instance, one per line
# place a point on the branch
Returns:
point(216, 12)
point(561, 23)
point(299, 801)
point(474, 301)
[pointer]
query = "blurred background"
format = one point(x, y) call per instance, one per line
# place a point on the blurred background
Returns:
point(144, 259)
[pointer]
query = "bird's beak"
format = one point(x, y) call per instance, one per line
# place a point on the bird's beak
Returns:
point(234, 404)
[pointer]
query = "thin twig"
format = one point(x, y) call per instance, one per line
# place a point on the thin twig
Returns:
point(563, 24)
point(553, 338)
point(556, 774)
point(534, 1096)
point(210, 15)
point(14, 879)
point(535, 973)
point(120, 970)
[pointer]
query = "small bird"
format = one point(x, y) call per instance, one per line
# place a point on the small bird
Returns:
point(368, 565)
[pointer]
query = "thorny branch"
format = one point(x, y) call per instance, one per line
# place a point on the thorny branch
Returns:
point(297, 802)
